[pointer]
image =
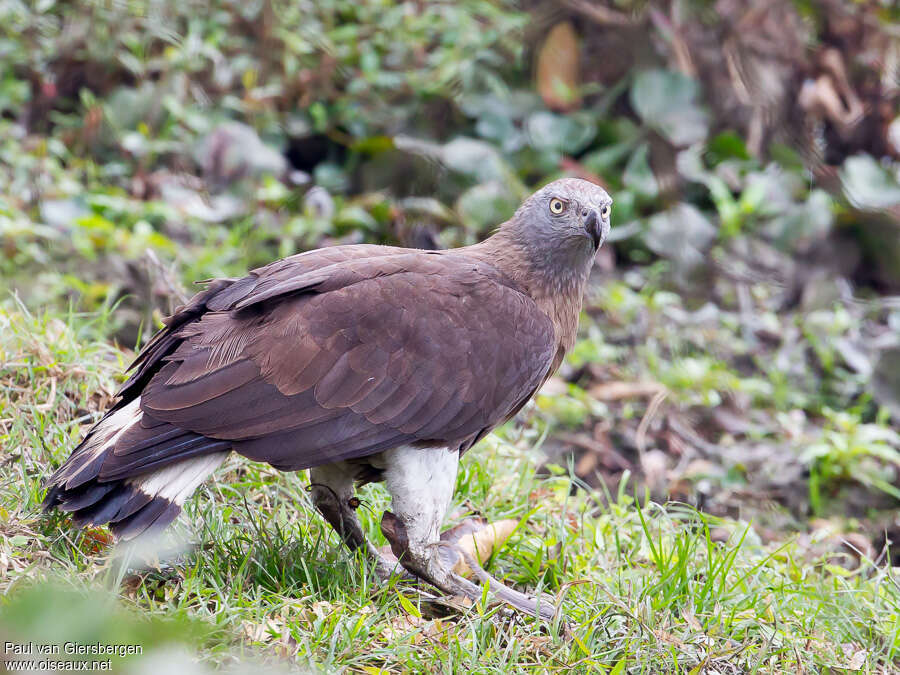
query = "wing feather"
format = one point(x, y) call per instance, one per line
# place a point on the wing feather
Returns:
point(298, 365)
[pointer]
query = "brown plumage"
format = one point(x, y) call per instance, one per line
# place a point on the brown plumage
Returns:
point(335, 360)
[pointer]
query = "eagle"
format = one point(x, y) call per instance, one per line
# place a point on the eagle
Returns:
point(360, 363)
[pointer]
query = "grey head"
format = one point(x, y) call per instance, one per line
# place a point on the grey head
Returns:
point(563, 224)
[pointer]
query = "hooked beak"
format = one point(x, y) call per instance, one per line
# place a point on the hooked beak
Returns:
point(595, 228)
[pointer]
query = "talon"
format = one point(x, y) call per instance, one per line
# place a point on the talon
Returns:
point(432, 569)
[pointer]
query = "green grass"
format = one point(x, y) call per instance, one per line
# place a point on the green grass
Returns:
point(646, 587)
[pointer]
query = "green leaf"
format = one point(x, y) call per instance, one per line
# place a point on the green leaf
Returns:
point(800, 225)
point(356, 217)
point(486, 205)
point(563, 133)
point(474, 158)
point(408, 607)
point(727, 145)
point(581, 645)
point(868, 185)
point(682, 234)
point(331, 176)
point(608, 157)
point(665, 101)
point(639, 176)
point(502, 129)
point(373, 145)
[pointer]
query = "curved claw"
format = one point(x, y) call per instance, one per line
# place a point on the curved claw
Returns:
point(387, 565)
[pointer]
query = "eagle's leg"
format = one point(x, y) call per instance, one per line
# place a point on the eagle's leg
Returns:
point(331, 487)
point(421, 483)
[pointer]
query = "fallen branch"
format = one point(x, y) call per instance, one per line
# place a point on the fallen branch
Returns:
point(616, 391)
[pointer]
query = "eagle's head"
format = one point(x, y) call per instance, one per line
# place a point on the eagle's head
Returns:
point(570, 208)
point(563, 224)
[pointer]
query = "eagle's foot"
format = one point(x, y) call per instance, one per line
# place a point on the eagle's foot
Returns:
point(424, 560)
point(344, 521)
point(332, 494)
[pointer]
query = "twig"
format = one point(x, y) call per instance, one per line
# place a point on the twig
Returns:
point(617, 390)
point(51, 398)
point(164, 274)
point(9, 460)
point(641, 434)
point(691, 436)
point(600, 14)
point(587, 443)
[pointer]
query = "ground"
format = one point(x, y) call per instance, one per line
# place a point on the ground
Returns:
point(645, 586)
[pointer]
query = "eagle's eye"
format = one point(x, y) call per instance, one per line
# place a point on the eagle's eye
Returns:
point(604, 211)
point(557, 206)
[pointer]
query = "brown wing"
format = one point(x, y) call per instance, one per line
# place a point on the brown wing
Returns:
point(224, 294)
point(349, 358)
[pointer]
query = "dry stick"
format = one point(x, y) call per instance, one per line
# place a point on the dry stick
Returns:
point(596, 448)
point(641, 434)
point(621, 389)
point(687, 433)
point(669, 27)
point(602, 15)
point(10, 459)
point(51, 397)
point(174, 286)
point(746, 312)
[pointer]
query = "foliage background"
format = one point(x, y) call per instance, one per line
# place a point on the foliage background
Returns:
point(739, 348)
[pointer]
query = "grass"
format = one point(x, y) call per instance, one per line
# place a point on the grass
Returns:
point(647, 587)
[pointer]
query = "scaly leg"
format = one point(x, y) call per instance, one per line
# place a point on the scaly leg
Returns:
point(331, 489)
point(421, 482)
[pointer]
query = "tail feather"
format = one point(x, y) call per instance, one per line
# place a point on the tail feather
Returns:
point(152, 518)
point(85, 462)
point(133, 472)
point(83, 497)
point(159, 457)
point(122, 501)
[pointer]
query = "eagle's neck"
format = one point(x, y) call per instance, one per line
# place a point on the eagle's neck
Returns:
point(554, 278)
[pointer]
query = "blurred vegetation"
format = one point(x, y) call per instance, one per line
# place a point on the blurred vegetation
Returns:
point(740, 348)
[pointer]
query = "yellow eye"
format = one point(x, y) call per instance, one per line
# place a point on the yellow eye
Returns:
point(604, 211)
point(557, 206)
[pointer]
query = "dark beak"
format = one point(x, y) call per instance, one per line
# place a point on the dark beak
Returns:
point(595, 228)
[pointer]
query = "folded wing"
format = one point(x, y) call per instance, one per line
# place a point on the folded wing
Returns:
point(361, 353)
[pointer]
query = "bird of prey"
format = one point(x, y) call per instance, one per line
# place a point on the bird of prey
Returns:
point(360, 363)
